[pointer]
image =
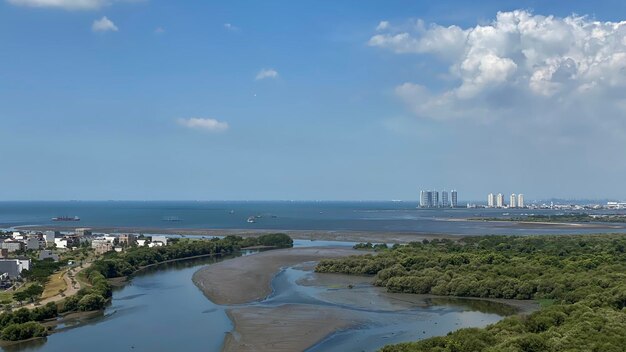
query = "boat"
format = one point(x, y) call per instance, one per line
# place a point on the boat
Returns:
point(251, 219)
point(66, 218)
point(171, 219)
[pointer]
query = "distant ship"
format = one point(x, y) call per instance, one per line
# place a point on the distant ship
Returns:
point(251, 219)
point(171, 219)
point(66, 218)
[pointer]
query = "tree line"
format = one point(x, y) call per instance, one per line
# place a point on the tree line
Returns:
point(583, 276)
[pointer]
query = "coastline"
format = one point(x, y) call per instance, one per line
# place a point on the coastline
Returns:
point(321, 235)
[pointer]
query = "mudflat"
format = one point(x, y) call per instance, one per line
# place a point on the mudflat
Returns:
point(290, 327)
point(248, 279)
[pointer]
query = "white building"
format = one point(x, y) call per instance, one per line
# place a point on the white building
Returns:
point(520, 200)
point(500, 200)
point(513, 201)
point(490, 200)
point(14, 267)
point(49, 237)
point(162, 239)
point(61, 243)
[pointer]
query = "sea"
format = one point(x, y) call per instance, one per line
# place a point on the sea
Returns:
point(374, 216)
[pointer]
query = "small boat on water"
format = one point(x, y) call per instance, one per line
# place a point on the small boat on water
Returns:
point(251, 219)
point(171, 219)
point(66, 218)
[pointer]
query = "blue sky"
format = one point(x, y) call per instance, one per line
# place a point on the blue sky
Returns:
point(335, 100)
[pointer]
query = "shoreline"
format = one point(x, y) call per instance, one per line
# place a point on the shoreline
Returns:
point(322, 235)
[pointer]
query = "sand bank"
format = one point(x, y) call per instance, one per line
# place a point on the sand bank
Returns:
point(247, 279)
point(290, 327)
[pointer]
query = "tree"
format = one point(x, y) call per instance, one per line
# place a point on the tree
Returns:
point(91, 301)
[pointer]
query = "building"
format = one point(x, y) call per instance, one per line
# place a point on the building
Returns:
point(424, 199)
point(35, 243)
point(48, 254)
point(127, 239)
point(49, 237)
point(102, 245)
point(444, 199)
point(513, 201)
point(67, 242)
point(14, 267)
point(490, 200)
point(83, 231)
point(12, 245)
point(520, 200)
point(455, 198)
point(500, 200)
point(161, 239)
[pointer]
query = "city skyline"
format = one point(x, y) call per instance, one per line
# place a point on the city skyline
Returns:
point(310, 101)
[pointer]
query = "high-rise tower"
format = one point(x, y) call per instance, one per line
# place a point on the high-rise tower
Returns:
point(454, 198)
point(513, 201)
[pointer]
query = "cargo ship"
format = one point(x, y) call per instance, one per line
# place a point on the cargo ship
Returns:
point(66, 218)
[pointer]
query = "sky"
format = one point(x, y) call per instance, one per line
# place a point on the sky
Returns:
point(311, 100)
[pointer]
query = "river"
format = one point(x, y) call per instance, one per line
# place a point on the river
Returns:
point(161, 309)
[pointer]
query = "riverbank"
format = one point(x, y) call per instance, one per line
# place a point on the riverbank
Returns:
point(545, 224)
point(248, 279)
point(283, 321)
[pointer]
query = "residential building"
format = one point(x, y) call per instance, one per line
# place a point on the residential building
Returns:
point(127, 239)
point(141, 242)
point(102, 245)
point(454, 197)
point(12, 245)
point(83, 231)
point(500, 200)
point(67, 242)
point(490, 200)
point(14, 267)
point(513, 201)
point(444, 199)
point(34, 243)
point(161, 239)
point(49, 236)
point(520, 200)
point(48, 254)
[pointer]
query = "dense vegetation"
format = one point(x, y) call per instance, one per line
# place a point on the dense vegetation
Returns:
point(24, 323)
point(574, 217)
point(41, 270)
point(584, 277)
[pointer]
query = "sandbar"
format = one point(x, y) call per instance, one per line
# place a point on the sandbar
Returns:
point(248, 279)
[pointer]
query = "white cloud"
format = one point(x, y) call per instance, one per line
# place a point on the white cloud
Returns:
point(205, 124)
point(103, 25)
point(63, 4)
point(382, 25)
point(231, 27)
point(554, 76)
point(266, 73)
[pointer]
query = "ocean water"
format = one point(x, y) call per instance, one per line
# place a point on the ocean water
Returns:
point(278, 215)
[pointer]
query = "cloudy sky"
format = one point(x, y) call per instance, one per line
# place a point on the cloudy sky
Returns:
point(337, 100)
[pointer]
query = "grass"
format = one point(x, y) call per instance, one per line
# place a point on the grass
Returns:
point(54, 284)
